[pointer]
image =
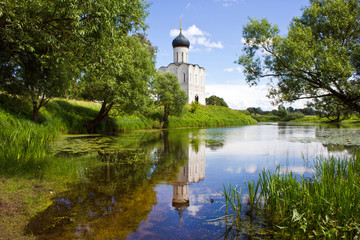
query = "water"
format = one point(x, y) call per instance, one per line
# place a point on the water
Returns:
point(177, 195)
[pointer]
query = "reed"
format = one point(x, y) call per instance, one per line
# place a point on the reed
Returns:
point(253, 197)
point(23, 145)
point(326, 206)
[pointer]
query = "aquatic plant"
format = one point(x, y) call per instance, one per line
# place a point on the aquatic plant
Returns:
point(128, 157)
point(23, 144)
point(325, 206)
point(253, 197)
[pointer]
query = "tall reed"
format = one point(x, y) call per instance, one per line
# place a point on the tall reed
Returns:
point(326, 206)
point(23, 145)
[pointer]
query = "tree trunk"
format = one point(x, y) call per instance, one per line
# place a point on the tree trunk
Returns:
point(104, 111)
point(165, 118)
point(35, 112)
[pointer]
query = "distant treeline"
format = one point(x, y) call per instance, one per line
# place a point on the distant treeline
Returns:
point(281, 114)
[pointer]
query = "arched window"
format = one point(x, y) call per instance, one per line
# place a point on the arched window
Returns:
point(177, 57)
point(182, 57)
point(184, 78)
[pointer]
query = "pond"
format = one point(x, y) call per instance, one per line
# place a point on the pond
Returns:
point(177, 194)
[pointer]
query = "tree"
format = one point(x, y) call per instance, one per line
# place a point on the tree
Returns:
point(317, 59)
point(253, 110)
point(331, 109)
point(45, 45)
point(120, 81)
point(214, 100)
point(169, 94)
point(35, 59)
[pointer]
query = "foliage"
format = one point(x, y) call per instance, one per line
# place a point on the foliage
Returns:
point(282, 114)
point(121, 83)
point(46, 45)
point(35, 57)
point(331, 109)
point(169, 94)
point(214, 100)
point(194, 106)
point(317, 59)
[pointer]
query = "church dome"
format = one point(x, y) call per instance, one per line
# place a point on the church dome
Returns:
point(181, 41)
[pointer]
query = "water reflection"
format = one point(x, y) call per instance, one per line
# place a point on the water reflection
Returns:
point(113, 199)
point(193, 172)
point(172, 197)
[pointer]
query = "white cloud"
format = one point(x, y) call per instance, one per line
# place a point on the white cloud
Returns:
point(188, 5)
point(232, 69)
point(227, 3)
point(198, 38)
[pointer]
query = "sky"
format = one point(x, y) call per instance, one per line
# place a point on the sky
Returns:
point(214, 28)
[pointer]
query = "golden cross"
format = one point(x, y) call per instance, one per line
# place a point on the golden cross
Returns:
point(180, 25)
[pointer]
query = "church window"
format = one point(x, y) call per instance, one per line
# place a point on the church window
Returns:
point(184, 78)
point(177, 57)
point(182, 57)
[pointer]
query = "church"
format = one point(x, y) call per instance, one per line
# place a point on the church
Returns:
point(190, 76)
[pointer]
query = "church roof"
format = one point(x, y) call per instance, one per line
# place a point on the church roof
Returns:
point(181, 41)
point(182, 63)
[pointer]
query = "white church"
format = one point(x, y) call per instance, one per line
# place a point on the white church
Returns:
point(191, 76)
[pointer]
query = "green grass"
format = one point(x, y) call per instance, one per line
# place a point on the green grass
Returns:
point(24, 145)
point(317, 119)
point(324, 207)
point(208, 116)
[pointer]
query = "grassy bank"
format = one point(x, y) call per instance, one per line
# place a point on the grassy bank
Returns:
point(317, 119)
point(24, 145)
point(209, 116)
point(323, 207)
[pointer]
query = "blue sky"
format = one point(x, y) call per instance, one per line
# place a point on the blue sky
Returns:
point(214, 28)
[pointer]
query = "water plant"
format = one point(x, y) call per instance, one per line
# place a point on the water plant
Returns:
point(253, 197)
point(326, 206)
point(24, 145)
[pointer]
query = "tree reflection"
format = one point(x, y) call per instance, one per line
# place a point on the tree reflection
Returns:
point(112, 199)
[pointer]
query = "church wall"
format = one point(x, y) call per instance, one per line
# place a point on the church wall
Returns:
point(197, 84)
point(194, 83)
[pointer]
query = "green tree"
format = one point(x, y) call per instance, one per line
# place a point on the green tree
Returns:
point(120, 80)
point(330, 108)
point(169, 94)
point(214, 100)
point(46, 44)
point(35, 59)
point(318, 58)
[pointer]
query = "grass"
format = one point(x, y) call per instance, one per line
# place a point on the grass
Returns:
point(317, 119)
point(207, 116)
point(24, 145)
point(324, 207)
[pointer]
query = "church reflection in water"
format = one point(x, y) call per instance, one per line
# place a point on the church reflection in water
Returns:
point(192, 172)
